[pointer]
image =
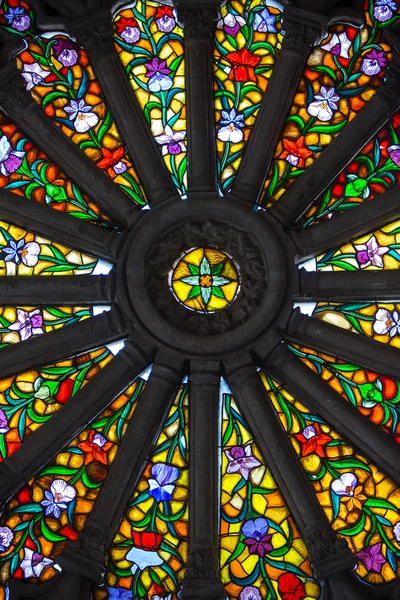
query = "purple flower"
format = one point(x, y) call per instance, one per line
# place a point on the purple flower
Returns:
point(171, 141)
point(64, 52)
point(60, 494)
point(34, 563)
point(250, 593)
point(264, 22)
point(119, 594)
point(3, 422)
point(27, 323)
point(324, 104)
point(34, 75)
point(18, 19)
point(241, 460)
point(231, 23)
point(394, 153)
point(10, 160)
point(19, 251)
point(6, 537)
point(157, 72)
point(232, 124)
point(99, 440)
point(396, 531)
point(338, 45)
point(370, 253)
point(257, 538)
point(384, 10)
point(372, 558)
point(161, 487)
point(374, 62)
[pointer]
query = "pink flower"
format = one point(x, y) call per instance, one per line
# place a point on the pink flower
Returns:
point(3, 422)
point(372, 558)
point(370, 253)
point(28, 323)
point(241, 460)
point(10, 160)
point(394, 153)
point(374, 62)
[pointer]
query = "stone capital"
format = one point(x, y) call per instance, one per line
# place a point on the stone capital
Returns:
point(329, 556)
point(13, 94)
point(198, 18)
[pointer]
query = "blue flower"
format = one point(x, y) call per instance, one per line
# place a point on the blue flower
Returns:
point(264, 22)
point(18, 19)
point(13, 251)
point(161, 487)
point(384, 10)
point(119, 594)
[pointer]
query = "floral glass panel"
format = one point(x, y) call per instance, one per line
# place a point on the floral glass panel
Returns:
point(376, 250)
point(151, 48)
point(343, 72)
point(26, 171)
point(380, 321)
point(375, 396)
point(53, 507)
point(362, 504)
point(18, 323)
point(262, 553)
point(149, 553)
point(29, 399)
point(246, 42)
point(23, 253)
point(373, 171)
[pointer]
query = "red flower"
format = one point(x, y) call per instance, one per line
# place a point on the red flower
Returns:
point(295, 152)
point(313, 440)
point(163, 11)
point(95, 448)
point(65, 391)
point(146, 540)
point(291, 587)
point(112, 161)
point(123, 23)
point(243, 65)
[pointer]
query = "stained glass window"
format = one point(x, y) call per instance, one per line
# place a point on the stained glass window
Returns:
point(199, 300)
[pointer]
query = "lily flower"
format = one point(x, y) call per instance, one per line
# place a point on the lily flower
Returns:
point(370, 253)
point(59, 496)
point(161, 487)
point(158, 74)
point(164, 18)
point(64, 51)
point(34, 563)
point(372, 557)
point(387, 322)
point(19, 251)
point(256, 536)
point(171, 141)
point(295, 152)
point(338, 45)
point(231, 23)
point(264, 22)
point(243, 64)
point(324, 104)
point(27, 323)
point(81, 114)
point(34, 75)
point(6, 537)
point(241, 460)
point(112, 161)
point(10, 160)
point(144, 553)
point(346, 486)
point(384, 10)
point(128, 30)
point(95, 448)
point(313, 440)
point(374, 62)
point(18, 19)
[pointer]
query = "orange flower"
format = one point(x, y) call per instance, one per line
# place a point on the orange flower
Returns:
point(243, 63)
point(355, 501)
point(295, 152)
point(112, 161)
point(95, 448)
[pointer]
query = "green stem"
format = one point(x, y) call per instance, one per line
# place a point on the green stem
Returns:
point(266, 579)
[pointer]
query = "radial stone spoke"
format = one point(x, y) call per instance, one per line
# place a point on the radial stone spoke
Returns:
point(59, 227)
point(202, 159)
point(95, 35)
point(63, 290)
point(335, 341)
point(294, 203)
point(344, 286)
point(38, 449)
point(310, 389)
point(61, 343)
point(21, 107)
point(84, 556)
point(202, 576)
point(286, 468)
point(347, 225)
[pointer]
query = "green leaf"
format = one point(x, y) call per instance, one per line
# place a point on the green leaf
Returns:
point(195, 291)
point(105, 126)
point(216, 269)
point(49, 534)
point(194, 269)
point(349, 463)
point(326, 70)
point(379, 503)
point(328, 128)
point(217, 292)
point(58, 470)
point(52, 96)
point(354, 529)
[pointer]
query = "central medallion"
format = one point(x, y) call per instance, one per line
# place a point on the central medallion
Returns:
point(204, 280)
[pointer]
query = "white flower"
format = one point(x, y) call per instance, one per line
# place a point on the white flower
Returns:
point(171, 141)
point(324, 104)
point(27, 323)
point(33, 75)
point(396, 531)
point(345, 485)
point(34, 563)
point(386, 322)
point(370, 253)
point(61, 491)
point(231, 23)
point(338, 45)
point(79, 112)
point(232, 124)
point(143, 558)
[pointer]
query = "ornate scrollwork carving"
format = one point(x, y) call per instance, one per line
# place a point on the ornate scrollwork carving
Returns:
point(213, 234)
point(92, 543)
point(330, 555)
point(300, 35)
point(10, 481)
point(203, 563)
point(13, 94)
point(198, 21)
point(96, 36)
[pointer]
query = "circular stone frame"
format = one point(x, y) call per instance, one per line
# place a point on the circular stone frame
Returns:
point(148, 254)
